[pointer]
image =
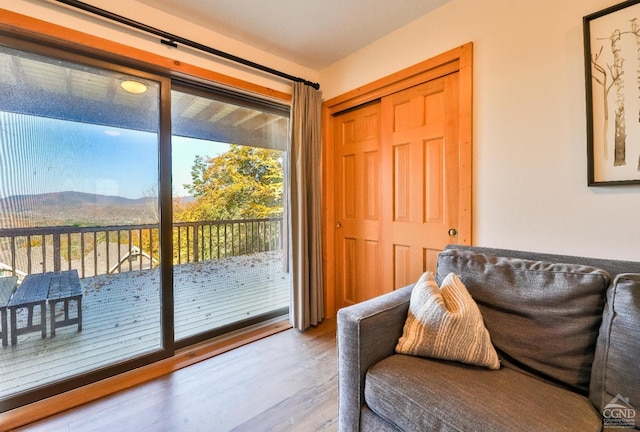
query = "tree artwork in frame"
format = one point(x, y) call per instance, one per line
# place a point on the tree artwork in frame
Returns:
point(612, 65)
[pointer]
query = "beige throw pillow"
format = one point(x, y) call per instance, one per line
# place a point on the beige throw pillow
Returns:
point(445, 323)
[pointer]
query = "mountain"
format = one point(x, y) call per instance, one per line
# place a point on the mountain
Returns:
point(75, 208)
point(70, 199)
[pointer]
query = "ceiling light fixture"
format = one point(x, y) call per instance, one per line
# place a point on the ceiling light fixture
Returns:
point(133, 87)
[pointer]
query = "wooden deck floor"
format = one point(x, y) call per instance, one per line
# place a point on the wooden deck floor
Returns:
point(121, 316)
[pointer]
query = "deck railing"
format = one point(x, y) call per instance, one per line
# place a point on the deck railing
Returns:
point(110, 249)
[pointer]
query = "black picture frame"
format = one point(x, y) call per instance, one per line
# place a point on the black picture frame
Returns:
point(612, 77)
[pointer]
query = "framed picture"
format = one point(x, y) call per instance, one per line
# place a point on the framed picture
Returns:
point(612, 66)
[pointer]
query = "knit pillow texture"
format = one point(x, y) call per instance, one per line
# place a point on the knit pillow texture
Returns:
point(444, 322)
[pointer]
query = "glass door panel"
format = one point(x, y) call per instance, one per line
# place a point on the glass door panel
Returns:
point(229, 231)
point(79, 248)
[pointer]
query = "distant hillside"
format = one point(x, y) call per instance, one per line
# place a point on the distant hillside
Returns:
point(71, 199)
point(75, 208)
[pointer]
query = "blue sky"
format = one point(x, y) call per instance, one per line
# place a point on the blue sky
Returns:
point(183, 153)
point(41, 155)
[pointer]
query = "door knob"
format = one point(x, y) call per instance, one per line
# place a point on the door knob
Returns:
point(453, 232)
point(338, 225)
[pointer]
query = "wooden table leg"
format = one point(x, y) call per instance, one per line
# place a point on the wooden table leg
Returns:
point(43, 318)
point(14, 326)
point(52, 313)
point(79, 301)
point(5, 330)
point(67, 320)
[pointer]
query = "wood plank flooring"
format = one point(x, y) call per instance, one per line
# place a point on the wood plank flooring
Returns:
point(285, 382)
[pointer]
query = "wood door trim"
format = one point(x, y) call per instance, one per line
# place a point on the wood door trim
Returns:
point(459, 60)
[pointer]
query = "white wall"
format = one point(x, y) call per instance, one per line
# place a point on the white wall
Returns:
point(530, 164)
point(65, 16)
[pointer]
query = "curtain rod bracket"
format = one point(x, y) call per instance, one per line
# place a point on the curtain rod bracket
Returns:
point(169, 42)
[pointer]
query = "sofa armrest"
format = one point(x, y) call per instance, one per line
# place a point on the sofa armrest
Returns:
point(367, 333)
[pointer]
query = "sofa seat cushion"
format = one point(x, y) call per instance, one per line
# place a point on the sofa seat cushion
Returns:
point(418, 394)
point(370, 421)
point(543, 317)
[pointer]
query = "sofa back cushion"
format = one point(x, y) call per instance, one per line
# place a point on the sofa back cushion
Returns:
point(543, 317)
point(616, 368)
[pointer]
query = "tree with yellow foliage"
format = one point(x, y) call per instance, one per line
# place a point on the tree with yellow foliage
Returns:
point(241, 183)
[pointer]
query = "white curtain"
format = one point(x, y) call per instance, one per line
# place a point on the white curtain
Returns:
point(307, 299)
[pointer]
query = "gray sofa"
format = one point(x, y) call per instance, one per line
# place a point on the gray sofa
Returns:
point(566, 329)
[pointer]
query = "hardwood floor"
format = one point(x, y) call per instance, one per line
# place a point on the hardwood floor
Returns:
point(285, 382)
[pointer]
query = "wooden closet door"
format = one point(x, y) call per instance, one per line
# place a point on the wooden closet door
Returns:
point(421, 159)
point(357, 204)
point(423, 163)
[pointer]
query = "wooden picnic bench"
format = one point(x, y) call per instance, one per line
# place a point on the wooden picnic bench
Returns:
point(40, 289)
point(30, 293)
point(65, 287)
point(7, 286)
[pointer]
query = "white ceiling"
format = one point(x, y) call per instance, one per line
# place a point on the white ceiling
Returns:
point(312, 33)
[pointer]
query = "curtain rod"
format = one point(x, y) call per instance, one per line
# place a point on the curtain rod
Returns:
point(174, 40)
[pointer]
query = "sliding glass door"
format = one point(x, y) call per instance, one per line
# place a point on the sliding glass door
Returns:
point(229, 231)
point(137, 216)
point(79, 219)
